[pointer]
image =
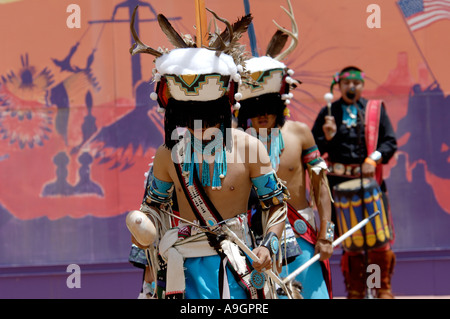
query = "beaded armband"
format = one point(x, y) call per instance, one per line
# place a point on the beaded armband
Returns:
point(314, 162)
point(157, 191)
point(311, 156)
point(270, 190)
point(271, 242)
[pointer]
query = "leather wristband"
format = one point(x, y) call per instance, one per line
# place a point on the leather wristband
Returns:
point(271, 242)
point(370, 161)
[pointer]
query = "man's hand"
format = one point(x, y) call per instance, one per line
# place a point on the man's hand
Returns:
point(329, 128)
point(265, 260)
point(324, 248)
point(368, 170)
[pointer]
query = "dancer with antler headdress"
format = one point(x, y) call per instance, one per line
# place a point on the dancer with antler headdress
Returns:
point(200, 252)
point(263, 109)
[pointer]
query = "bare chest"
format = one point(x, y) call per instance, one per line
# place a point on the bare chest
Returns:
point(229, 200)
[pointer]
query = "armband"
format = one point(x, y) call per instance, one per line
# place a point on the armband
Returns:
point(315, 164)
point(157, 190)
point(269, 189)
point(271, 242)
point(311, 156)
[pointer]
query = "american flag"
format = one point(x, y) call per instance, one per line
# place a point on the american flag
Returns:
point(420, 13)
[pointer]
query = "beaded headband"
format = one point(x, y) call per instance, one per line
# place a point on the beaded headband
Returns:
point(347, 75)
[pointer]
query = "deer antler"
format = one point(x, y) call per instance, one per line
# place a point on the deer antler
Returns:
point(293, 34)
point(228, 41)
point(138, 46)
point(220, 42)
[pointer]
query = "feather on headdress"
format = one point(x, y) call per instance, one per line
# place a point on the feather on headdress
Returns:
point(189, 77)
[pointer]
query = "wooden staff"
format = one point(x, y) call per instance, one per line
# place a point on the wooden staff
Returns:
point(252, 255)
point(328, 98)
point(201, 25)
point(316, 257)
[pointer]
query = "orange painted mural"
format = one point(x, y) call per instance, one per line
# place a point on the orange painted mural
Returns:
point(78, 129)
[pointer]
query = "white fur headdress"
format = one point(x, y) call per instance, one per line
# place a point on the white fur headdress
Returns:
point(187, 77)
point(270, 79)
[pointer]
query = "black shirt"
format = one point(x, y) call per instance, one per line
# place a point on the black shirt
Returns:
point(348, 145)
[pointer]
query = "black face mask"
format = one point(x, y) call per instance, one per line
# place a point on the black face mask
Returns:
point(185, 113)
point(269, 103)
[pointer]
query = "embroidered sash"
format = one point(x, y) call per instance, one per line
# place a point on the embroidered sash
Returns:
point(200, 203)
point(304, 230)
point(372, 121)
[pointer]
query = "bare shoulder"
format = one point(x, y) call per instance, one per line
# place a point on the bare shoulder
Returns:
point(298, 127)
point(238, 133)
point(161, 161)
point(246, 140)
point(163, 152)
point(299, 131)
point(254, 152)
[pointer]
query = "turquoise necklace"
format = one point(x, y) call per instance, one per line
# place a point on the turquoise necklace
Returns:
point(214, 148)
point(350, 114)
point(275, 138)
